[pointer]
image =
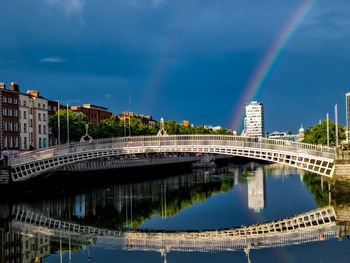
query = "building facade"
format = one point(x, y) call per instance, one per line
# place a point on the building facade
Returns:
point(34, 120)
point(10, 130)
point(144, 119)
point(254, 121)
point(94, 113)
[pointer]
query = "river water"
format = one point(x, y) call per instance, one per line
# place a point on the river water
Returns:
point(193, 217)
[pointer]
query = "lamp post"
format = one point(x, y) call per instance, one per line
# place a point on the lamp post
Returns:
point(327, 129)
point(336, 125)
point(67, 123)
point(58, 123)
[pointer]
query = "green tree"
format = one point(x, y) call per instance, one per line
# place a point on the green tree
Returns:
point(77, 122)
point(318, 133)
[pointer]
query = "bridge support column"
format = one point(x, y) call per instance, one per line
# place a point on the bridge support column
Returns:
point(342, 166)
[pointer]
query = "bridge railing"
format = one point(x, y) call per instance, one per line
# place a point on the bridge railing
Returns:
point(177, 141)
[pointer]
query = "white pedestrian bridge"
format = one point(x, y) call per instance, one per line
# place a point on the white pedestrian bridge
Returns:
point(314, 158)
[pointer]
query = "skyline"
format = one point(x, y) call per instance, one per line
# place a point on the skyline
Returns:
point(180, 60)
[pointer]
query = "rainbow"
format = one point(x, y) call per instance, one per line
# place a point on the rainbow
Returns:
point(265, 67)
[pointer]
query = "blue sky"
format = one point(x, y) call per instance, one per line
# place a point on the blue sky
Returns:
point(180, 59)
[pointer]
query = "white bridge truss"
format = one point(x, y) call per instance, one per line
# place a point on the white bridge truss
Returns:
point(312, 226)
point(309, 157)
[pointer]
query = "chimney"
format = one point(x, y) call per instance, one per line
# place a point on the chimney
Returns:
point(34, 93)
point(2, 86)
point(14, 86)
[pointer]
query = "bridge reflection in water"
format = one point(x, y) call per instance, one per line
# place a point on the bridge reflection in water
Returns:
point(42, 229)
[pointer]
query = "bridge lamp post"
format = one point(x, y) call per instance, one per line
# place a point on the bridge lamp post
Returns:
point(327, 129)
point(336, 125)
point(58, 123)
point(67, 123)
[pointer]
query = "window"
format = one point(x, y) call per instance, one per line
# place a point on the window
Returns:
point(16, 126)
point(39, 116)
point(31, 137)
point(10, 142)
point(39, 105)
point(31, 123)
point(16, 142)
point(50, 130)
point(25, 115)
point(10, 126)
point(9, 100)
point(25, 147)
point(40, 143)
point(44, 106)
point(39, 129)
point(15, 101)
point(5, 125)
point(54, 108)
point(25, 127)
point(5, 141)
point(49, 107)
point(44, 129)
point(24, 103)
point(15, 112)
point(9, 111)
point(4, 99)
point(4, 111)
point(31, 111)
point(44, 117)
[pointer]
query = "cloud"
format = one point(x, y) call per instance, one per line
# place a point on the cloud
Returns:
point(54, 59)
point(68, 7)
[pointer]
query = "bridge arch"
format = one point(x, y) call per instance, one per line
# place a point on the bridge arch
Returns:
point(308, 157)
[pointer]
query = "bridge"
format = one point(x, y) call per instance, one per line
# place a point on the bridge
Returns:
point(312, 226)
point(309, 157)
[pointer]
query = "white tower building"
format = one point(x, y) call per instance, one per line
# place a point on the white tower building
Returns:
point(254, 120)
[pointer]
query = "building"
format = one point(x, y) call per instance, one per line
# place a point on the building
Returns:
point(144, 119)
point(94, 113)
point(301, 134)
point(185, 123)
point(34, 120)
point(288, 136)
point(254, 120)
point(10, 130)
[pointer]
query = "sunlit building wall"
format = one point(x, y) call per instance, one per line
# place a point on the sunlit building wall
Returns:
point(254, 120)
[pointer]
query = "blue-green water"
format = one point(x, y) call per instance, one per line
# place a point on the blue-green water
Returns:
point(203, 200)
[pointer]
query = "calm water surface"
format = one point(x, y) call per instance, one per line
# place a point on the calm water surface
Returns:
point(184, 218)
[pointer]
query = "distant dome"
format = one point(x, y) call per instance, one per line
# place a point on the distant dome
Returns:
point(301, 129)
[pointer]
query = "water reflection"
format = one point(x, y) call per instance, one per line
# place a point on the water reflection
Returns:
point(114, 217)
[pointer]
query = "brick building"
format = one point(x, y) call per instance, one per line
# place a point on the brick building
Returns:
point(10, 130)
point(144, 119)
point(94, 113)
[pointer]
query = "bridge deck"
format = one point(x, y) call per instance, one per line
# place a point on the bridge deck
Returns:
point(304, 156)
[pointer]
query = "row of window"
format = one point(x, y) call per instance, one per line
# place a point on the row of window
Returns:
point(24, 115)
point(9, 112)
point(11, 141)
point(10, 126)
point(9, 100)
point(54, 108)
point(43, 106)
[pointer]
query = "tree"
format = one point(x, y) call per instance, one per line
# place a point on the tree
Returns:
point(77, 122)
point(318, 134)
